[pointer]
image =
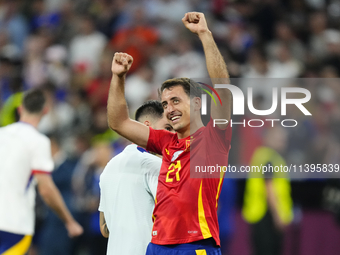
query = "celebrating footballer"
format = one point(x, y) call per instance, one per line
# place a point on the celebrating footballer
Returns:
point(185, 217)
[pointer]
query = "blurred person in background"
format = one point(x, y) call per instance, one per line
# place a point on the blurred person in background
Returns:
point(332, 37)
point(69, 23)
point(14, 23)
point(27, 162)
point(257, 65)
point(99, 128)
point(285, 35)
point(301, 138)
point(111, 15)
point(136, 39)
point(158, 10)
point(59, 119)
point(238, 39)
point(53, 238)
point(87, 191)
point(256, 73)
point(97, 89)
point(10, 70)
point(260, 73)
point(82, 112)
point(285, 63)
point(167, 21)
point(128, 188)
point(177, 59)
point(87, 47)
point(267, 199)
point(189, 63)
point(325, 147)
point(9, 113)
point(139, 87)
point(163, 60)
point(317, 41)
point(54, 5)
point(34, 59)
point(58, 72)
point(7, 48)
point(44, 17)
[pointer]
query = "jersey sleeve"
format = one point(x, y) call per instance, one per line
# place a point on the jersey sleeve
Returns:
point(221, 138)
point(42, 161)
point(151, 166)
point(158, 139)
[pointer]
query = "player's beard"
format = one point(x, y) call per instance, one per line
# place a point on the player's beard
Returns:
point(178, 127)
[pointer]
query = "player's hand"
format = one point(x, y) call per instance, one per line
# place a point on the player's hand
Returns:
point(121, 63)
point(74, 229)
point(195, 22)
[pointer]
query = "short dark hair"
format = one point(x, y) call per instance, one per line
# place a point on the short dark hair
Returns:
point(190, 87)
point(34, 101)
point(151, 107)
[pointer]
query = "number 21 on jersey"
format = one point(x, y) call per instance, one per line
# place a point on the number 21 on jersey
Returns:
point(173, 167)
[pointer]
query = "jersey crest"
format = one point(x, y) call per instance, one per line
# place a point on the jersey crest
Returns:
point(187, 145)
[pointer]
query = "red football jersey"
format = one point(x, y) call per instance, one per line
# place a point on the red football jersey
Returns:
point(185, 206)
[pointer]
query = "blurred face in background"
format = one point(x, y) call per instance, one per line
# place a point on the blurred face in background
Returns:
point(86, 26)
point(317, 23)
point(258, 61)
point(162, 123)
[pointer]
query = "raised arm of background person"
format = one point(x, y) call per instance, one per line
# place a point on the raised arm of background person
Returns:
point(117, 110)
point(52, 197)
point(103, 227)
point(217, 69)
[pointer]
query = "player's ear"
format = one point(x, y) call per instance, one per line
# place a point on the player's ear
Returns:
point(19, 109)
point(197, 103)
point(147, 123)
point(45, 110)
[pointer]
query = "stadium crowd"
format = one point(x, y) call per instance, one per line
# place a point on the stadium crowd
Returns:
point(66, 46)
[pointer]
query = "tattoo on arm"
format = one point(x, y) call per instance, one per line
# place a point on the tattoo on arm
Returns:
point(106, 230)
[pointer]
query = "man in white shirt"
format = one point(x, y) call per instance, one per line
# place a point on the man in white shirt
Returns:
point(26, 161)
point(128, 190)
point(87, 47)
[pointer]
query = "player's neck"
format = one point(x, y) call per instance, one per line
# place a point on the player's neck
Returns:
point(31, 119)
point(191, 129)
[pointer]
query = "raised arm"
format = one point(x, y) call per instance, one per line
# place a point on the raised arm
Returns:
point(217, 69)
point(117, 110)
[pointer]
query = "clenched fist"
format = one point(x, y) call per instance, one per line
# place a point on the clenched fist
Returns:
point(74, 229)
point(121, 63)
point(195, 22)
